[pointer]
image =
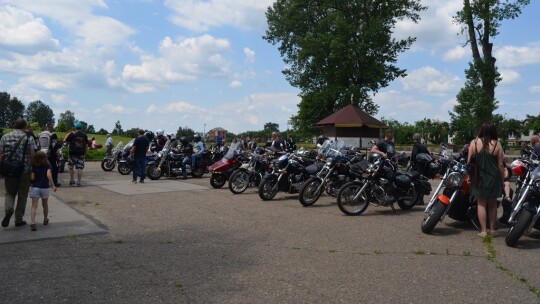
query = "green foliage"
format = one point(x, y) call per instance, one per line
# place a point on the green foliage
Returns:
point(91, 129)
point(118, 128)
point(133, 132)
point(338, 52)
point(271, 127)
point(10, 110)
point(185, 131)
point(39, 113)
point(66, 121)
point(532, 123)
point(102, 132)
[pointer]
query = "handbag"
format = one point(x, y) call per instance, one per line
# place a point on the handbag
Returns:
point(13, 168)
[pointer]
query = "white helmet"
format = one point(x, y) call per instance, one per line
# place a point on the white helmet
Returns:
point(170, 135)
point(159, 132)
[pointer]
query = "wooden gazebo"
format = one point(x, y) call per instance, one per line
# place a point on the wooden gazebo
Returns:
point(351, 125)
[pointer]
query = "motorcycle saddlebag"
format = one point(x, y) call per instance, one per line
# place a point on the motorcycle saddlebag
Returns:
point(403, 181)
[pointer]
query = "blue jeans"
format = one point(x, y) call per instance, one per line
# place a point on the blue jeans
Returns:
point(194, 158)
point(186, 161)
point(139, 162)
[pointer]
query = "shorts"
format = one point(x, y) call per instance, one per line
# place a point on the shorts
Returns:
point(39, 192)
point(76, 161)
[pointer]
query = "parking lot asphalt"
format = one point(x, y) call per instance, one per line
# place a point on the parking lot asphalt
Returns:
point(174, 241)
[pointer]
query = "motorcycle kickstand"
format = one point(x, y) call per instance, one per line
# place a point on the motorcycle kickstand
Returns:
point(394, 209)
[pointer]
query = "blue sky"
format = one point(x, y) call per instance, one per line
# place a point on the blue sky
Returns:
point(203, 64)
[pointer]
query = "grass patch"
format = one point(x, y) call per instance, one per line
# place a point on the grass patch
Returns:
point(420, 252)
point(332, 250)
point(178, 285)
point(466, 253)
point(377, 252)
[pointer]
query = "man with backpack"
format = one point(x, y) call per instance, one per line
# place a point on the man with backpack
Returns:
point(78, 143)
point(48, 143)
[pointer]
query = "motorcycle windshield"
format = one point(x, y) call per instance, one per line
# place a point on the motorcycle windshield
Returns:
point(167, 146)
point(119, 146)
point(233, 151)
point(128, 145)
point(332, 148)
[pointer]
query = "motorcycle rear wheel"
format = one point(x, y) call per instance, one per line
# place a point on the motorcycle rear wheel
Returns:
point(433, 217)
point(266, 189)
point(197, 172)
point(516, 231)
point(152, 172)
point(218, 180)
point(308, 194)
point(124, 168)
point(408, 204)
point(239, 181)
point(108, 164)
point(346, 202)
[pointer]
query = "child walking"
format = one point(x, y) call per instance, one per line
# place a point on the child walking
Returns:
point(41, 184)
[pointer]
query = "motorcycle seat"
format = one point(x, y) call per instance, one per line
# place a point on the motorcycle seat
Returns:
point(412, 174)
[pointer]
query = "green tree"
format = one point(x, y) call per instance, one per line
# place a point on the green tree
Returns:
point(102, 132)
point(133, 132)
point(66, 121)
point(39, 113)
point(90, 129)
point(185, 131)
point(10, 110)
point(270, 127)
point(118, 128)
point(481, 20)
point(338, 52)
point(531, 123)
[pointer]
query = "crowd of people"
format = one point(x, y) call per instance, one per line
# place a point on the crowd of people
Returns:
point(39, 172)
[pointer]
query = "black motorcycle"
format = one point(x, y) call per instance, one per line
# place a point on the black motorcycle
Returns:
point(251, 173)
point(125, 163)
point(288, 174)
point(526, 205)
point(333, 175)
point(379, 183)
point(169, 163)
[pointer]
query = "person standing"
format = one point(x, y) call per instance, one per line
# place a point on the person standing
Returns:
point(17, 187)
point(109, 145)
point(535, 143)
point(41, 184)
point(78, 143)
point(386, 146)
point(487, 185)
point(52, 150)
point(418, 147)
point(138, 152)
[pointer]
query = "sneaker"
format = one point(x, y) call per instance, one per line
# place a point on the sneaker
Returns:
point(134, 182)
point(71, 183)
point(5, 221)
point(21, 223)
point(142, 182)
point(78, 184)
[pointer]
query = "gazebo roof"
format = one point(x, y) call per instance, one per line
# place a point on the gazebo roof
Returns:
point(350, 117)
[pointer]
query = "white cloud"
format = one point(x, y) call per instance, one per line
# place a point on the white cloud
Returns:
point(119, 109)
point(20, 31)
point(151, 109)
point(184, 108)
point(534, 89)
point(509, 76)
point(428, 80)
point(59, 98)
point(514, 56)
point(456, 53)
point(202, 15)
point(235, 84)
point(181, 61)
point(250, 55)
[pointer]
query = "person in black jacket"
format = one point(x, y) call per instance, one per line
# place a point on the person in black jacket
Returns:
point(418, 148)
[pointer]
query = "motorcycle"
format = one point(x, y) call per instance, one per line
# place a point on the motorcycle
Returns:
point(378, 182)
point(333, 175)
point(109, 162)
point(288, 174)
point(169, 163)
point(222, 170)
point(250, 173)
point(125, 163)
point(456, 199)
point(526, 204)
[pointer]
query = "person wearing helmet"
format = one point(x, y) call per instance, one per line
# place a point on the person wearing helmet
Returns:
point(160, 139)
point(198, 149)
point(78, 143)
point(170, 136)
point(418, 147)
point(186, 149)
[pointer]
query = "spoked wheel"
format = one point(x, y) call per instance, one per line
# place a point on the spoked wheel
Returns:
point(153, 172)
point(218, 180)
point(107, 164)
point(433, 216)
point(239, 181)
point(124, 168)
point(308, 193)
point(350, 201)
point(516, 231)
point(267, 191)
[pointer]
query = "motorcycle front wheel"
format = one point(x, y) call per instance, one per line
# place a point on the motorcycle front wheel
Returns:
point(197, 172)
point(124, 168)
point(433, 217)
point(217, 180)
point(239, 181)
point(267, 191)
point(516, 231)
point(152, 172)
point(346, 199)
point(107, 164)
point(308, 194)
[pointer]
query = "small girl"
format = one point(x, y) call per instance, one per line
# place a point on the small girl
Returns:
point(41, 180)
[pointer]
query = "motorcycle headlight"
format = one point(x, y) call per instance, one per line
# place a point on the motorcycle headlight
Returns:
point(454, 179)
point(329, 162)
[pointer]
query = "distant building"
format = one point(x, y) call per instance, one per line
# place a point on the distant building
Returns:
point(213, 134)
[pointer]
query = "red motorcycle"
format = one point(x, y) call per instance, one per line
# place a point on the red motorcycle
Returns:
point(222, 170)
